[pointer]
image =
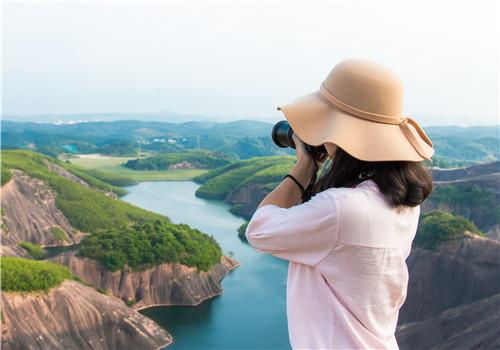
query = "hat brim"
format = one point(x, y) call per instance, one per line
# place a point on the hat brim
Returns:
point(316, 121)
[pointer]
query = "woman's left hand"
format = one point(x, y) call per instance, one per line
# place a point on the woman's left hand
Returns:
point(303, 157)
point(305, 168)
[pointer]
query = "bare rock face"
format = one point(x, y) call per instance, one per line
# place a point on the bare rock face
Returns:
point(14, 251)
point(246, 199)
point(165, 284)
point(453, 297)
point(456, 274)
point(30, 213)
point(74, 316)
point(471, 326)
point(186, 165)
point(66, 174)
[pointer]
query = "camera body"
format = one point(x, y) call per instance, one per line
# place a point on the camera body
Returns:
point(282, 135)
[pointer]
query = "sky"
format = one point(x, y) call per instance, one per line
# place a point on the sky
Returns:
point(228, 60)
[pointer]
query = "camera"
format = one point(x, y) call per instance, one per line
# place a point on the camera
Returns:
point(282, 137)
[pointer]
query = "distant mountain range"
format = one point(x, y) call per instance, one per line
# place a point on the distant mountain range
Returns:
point(455, 146)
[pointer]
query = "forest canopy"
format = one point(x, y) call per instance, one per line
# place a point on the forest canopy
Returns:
point(439, 227)
point(25, 275)
point(201, 159)
point(143, 245)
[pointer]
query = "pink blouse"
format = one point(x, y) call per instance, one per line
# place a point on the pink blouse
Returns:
point(347, 275)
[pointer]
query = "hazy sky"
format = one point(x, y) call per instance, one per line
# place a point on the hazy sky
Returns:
point(240, 59)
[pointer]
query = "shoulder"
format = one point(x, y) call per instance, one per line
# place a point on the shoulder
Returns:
point(367, 219)
point(366, 193)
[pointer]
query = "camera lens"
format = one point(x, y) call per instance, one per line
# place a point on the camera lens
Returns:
point(282, 136)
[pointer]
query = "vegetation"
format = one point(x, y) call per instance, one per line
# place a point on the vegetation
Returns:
point(89, 176)
point(121, 234)
point(34, 250)
point(455, 146)
point(114, 165)
point(479, 204)
point(85, 208)
point(59, 233)
point(25, 275)
point(143, 245)
point(241, 232)
point(200, 159)
point(219, 182)
point(438, 227)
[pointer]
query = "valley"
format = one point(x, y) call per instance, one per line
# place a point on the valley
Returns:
point(158, 234)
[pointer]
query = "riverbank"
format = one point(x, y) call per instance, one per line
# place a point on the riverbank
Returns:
point(251, 313)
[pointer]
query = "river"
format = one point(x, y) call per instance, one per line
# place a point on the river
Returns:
point(251, 314)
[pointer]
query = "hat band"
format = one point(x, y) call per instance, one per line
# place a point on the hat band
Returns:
point(380, 118)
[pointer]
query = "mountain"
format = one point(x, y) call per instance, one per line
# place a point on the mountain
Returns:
point(455, 146)
point(114, 247)
point(240, 138)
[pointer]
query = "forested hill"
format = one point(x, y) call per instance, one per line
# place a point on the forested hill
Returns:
point(189, 159)
point(69, 205)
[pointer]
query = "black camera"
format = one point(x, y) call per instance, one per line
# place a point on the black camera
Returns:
point(282, 136)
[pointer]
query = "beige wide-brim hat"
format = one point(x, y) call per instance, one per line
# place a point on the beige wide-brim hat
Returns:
point(359, 107)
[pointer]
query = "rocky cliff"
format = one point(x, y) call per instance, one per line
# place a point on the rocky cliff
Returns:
point(471, 326)
point(165, 284)
point(73, 316)
point(447, 292)
point(246, 199)
point(29, 213)
point(456, 274)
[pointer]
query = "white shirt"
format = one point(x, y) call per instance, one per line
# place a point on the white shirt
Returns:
point(347, 276)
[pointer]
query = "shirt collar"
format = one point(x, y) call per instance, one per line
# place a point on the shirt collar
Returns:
point(369, 184)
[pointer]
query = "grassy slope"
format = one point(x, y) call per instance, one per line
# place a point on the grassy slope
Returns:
point(92, 211)
point(264, 170)
point(114, 165)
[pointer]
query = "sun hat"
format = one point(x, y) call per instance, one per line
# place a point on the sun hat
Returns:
point(359, 107)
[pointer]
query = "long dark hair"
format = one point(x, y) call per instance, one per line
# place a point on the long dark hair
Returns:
point(401, 182)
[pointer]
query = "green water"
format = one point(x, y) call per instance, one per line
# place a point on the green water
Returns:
point(251, 314)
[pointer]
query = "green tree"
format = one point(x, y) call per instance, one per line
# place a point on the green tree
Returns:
point(438, 227)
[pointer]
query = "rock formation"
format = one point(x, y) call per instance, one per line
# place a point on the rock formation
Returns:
point(165, 284)
point(73, 316)
point(246, 199)
point(30, 213)
point(472, 326)
point(448, 291)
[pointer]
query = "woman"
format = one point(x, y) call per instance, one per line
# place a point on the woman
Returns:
point(347, 245)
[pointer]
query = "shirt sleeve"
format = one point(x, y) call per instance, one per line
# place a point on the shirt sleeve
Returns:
point(305, 233)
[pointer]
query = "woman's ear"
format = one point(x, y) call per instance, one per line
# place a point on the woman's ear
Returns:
point(330, 148)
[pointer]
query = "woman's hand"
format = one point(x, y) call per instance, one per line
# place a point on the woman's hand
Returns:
point(288, 194)
point(303, 156)
point(305, 168)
